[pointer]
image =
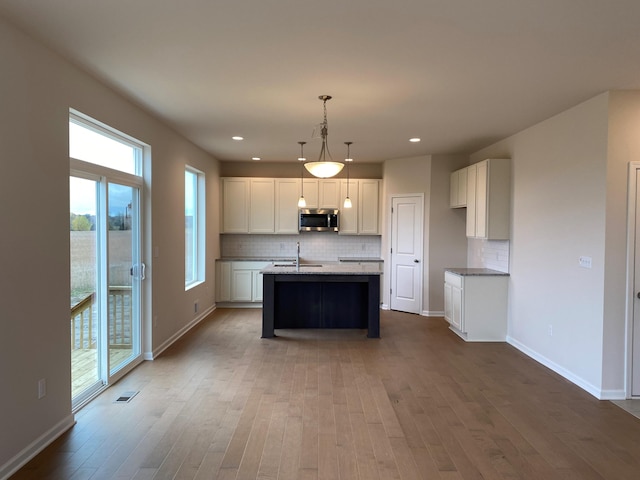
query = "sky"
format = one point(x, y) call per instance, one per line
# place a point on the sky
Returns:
point(91, 146)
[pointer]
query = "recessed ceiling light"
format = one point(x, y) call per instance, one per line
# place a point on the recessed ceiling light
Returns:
point(414, 140)
point(256, 158)
point(237, 138)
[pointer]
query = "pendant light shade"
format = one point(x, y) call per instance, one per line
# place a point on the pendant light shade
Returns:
point(324, 168)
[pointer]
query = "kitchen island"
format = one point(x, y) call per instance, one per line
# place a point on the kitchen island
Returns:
point(321, 296)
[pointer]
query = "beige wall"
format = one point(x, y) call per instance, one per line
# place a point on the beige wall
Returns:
point(447, 228)
point(444, 243)
point(558, 213)
point(293, 170)
point(37, 88)
point(623, 148)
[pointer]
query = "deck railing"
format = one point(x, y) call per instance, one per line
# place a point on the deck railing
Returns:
point(84, 328)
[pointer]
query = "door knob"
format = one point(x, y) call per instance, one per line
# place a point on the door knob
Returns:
point(638, 295)
point(418, 261)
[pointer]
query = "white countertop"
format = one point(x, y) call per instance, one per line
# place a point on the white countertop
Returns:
point(464, 272)
point(348, 268)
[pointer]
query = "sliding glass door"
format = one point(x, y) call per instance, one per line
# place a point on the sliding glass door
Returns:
point(105, 244)
point(123, 276)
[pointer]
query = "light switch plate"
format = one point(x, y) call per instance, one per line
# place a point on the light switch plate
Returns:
point(585, 262)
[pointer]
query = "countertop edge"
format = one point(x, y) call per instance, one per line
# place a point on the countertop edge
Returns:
point(476, 272)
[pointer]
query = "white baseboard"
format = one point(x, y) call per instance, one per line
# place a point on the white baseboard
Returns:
point(576, 380)
point(161, 348)
point(435, 313)
point(239, 304)
point(35, 447)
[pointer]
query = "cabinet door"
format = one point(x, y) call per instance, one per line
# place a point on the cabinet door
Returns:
point(241, 285)
point(287, 194)
point(481, 198)
point(462, 187)
point(471, 200)
point(330, 194)
point(457, 312)
point(349, 216)
point(262, 206)
point(223, 281)
point(454, 181)
point(447, 302)
point(235, 205)
point(369, 207)
point(311, 192)
point(257, 279)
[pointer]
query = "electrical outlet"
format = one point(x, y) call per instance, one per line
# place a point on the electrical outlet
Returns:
point(195, 306)
point(42, 388)
point(155, 321)
point(550, 330)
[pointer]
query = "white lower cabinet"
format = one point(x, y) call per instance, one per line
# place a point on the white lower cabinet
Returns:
point(239, 281)
point(476, 306)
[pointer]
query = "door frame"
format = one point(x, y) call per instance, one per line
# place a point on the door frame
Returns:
point(388, 284)
point(103, 176)
point(633, 187)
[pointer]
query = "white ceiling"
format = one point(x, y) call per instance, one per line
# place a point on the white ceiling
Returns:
point(460, 74)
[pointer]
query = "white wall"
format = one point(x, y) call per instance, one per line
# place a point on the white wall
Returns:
point(37, 88)
point(559, 208)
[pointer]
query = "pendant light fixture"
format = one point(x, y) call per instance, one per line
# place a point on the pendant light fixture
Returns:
point(302, 203)
point(323, 168)
point(348, 160)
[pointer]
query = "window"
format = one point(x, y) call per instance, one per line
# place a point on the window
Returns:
point(93, 143)
point(194, 227)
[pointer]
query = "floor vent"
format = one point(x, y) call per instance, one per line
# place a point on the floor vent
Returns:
point(126, 397)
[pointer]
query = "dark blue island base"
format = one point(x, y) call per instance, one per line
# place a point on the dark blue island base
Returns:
point(321, 301)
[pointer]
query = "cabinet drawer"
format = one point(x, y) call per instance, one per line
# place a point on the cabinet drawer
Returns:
point(453, 279)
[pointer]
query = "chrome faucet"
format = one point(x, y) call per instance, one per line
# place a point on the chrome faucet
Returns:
point(298, 257)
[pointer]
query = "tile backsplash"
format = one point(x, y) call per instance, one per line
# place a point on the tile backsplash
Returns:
point(492, 254)
point(318, 246)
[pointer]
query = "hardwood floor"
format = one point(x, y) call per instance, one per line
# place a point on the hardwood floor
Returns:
point(419, 403)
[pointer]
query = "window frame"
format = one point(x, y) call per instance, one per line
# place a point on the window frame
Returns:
point(100, 128)
point(196, 246)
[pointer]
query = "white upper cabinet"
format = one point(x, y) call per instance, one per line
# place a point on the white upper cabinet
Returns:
point(349, 216)
point(363, 218)
point(248, 205)
point(270, 205)
point(287, 195)
point(488, 199)
point(330, 194)
point(311, 192)
point(458, 191)
point(235, 201)
point(369, 207)
point(262, 213)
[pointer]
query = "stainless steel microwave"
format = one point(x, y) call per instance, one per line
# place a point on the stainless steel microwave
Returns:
point(318, 220)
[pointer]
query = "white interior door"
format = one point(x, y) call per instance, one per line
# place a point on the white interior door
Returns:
point(635, 330)
point(406, 254)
